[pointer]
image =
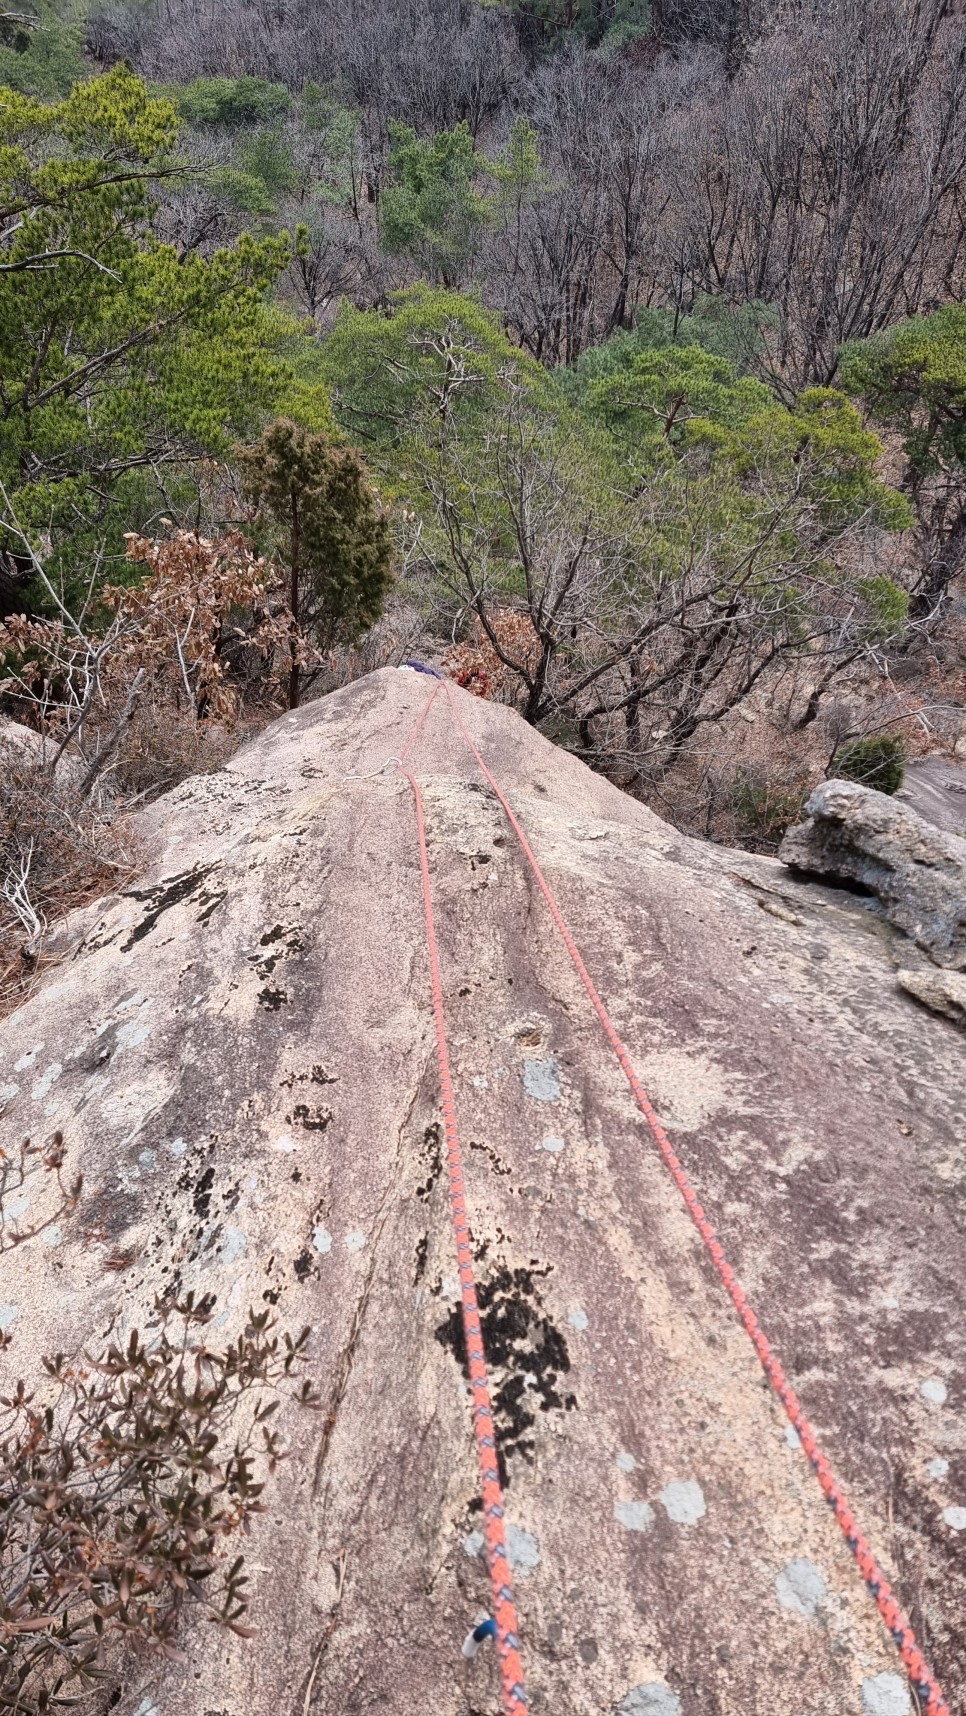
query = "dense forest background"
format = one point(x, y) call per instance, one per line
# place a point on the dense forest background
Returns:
point(611, 354)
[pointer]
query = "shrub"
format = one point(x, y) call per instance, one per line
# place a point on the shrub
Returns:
point(764, 808)
point(233, 101)
point(118, 1496)
point(877, 762)
point(57, 851)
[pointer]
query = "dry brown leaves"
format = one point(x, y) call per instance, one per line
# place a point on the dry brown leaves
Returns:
point(478, 666)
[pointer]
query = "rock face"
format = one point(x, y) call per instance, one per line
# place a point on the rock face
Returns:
point(936, 790)
point(239, 1053)
point(943, 991)
point(918, 872)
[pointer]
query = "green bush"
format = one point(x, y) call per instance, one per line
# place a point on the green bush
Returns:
point(233, 101)
point(43, 58)
point(877, 762)
point(763, 809)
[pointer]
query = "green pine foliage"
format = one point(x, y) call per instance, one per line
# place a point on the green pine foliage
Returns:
point(120, 357)
point(231, 102)
point(878, 762)
point(431, 210)
point(331, 533)
point(41, 49)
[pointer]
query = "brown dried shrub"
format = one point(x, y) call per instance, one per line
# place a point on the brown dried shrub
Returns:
point(120, 1492)
point(57, 851)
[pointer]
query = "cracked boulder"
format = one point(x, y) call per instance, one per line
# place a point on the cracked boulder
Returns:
point(237, 1056)
point(917, 872)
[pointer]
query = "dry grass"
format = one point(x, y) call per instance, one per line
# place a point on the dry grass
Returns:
point(56, 853)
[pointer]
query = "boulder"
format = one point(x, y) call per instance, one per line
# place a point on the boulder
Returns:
point(239, 1054)
point(856, 835)
point(943, 991)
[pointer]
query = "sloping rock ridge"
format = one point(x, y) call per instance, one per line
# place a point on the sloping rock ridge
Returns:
point(239, 1054)
point(917, 871)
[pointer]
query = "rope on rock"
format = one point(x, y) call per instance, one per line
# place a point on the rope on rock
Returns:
point(926, 1686)
point(507, 1640)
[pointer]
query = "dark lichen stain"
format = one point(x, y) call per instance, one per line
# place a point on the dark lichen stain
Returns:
point(162, 898)
point(318, 1075)
point(433, 1152)
point(312, 1119)
point(272, 999)
point(422, 1250)
point(210, 901)
point(201, 1198)
point(284, 941)
point(303, 1265)
point(496, 1162)
point(521, 1342)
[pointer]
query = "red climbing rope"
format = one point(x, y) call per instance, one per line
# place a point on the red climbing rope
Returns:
point(504, 1612)
point(925, 1683)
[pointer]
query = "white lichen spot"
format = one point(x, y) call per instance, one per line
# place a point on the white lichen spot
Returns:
point(148, 1160)
point(8, 1316)
point(634, 1515)
point(233, 1246)
point(322, 1240)
point(886, 1695)
point(177, 1148)
point(792, 1437)
point(890, 1302)
point(47, 1079)
point(578, 1319)
point(626, 1463)
point(541, 1080)
point(7, 1094)
point(286, 1144)
point(17, 1207)
point(473, 1543)
point(28, 1059)
point(147, 1707)
point(800, 1587)
point(450, 1287)
point(653, 1699)
point(480, 1081)
point(683, 1502)
point(955, 1518)
point(129, 1036)
point(938, 1469)
point(934, 1391)
point(52, 1236)
point(355, 1240)
point(553, 1145)
point(523, 1551)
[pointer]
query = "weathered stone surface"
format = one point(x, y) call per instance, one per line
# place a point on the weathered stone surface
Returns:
point(918, 872)
point(240, 1055)
point(943, 991)
point(936, 790)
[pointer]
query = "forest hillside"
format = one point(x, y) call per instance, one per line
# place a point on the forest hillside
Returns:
point(610, 355)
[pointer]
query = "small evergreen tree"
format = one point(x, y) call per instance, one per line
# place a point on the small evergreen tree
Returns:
point(337, 540)
point(878, 762)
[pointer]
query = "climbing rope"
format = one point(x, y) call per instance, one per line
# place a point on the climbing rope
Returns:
point(923, 1680)
point(504, 1611)
point(926, 1686)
